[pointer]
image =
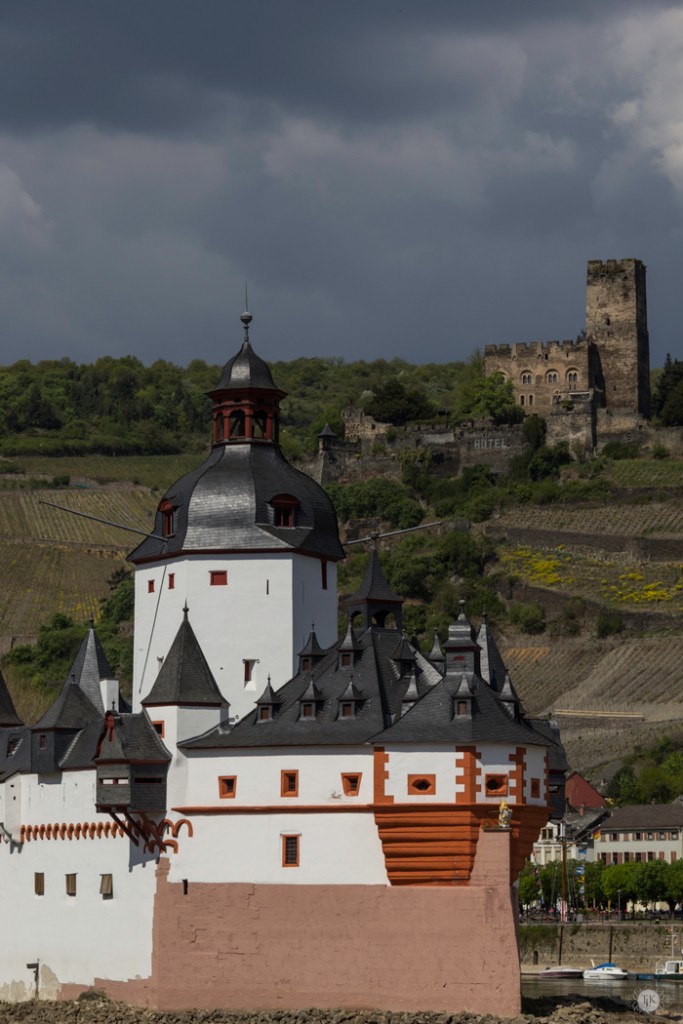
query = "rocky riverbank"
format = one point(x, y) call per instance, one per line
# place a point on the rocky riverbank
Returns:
point(95, 1009)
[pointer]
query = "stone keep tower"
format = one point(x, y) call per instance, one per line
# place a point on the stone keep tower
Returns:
point(616, 323)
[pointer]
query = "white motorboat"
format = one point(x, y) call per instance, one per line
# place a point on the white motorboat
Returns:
point(605, 972)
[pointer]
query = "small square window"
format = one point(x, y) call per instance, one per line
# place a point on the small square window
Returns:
point(535, 788)
point(227, 786)
point(265, 713)
point(289, 783)
point(462, 708)
point(107, 887)
point(159, 728)
point(42, 741)
point(345, 660)
point(249, 664)
point(218, 577)
point(150, 586)
point(351, 783)
point(307, 710)
point(171, 581)
point(39, 883)
point(347, 709)
point(290, 851)
point(71, 885)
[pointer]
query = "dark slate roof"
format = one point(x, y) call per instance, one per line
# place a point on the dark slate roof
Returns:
point(311, 648)
point(89, 667)
point(492, 665)
point(224, 505)
point(643, 817)
point(8, 714)
point(431, 718)
point(246, 369)
point(372, 682)
point(82, 750)
point(185, 676)
point(72, 710)
point(436, 654)
point(374, 586)
point(20, 759)
point(133, 739)
point(557, 757)
point(327, 431)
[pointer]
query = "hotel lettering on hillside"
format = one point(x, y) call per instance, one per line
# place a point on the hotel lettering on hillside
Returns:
point(284, 817)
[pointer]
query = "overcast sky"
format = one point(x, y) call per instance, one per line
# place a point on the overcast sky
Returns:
point(414, 178)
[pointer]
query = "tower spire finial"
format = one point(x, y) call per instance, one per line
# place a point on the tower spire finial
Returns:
point(246, 317)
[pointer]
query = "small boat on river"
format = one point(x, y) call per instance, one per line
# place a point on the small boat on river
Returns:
point(561, 972)
point(669, 970)
point(605, 972)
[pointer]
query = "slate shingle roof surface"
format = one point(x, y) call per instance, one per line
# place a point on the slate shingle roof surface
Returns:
point(134, 739)
point(185, 676)
point(643, 817)
point(72, 710)
point(89, 667)
point(19, 760)
point(246, 370)
point(8, 714)
point(224, 504)
point(374, 585)
point(380, 692)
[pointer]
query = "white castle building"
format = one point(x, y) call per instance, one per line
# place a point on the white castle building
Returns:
point(283, 819)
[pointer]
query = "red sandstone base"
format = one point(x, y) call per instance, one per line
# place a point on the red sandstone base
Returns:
point(260, 947)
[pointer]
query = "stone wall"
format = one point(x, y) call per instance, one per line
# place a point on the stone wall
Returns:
point(541, 371)
point(398, 948)
point(616, 321)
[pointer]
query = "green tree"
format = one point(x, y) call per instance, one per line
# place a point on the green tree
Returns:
point(674, 884)
point(529, 890)
point(651, 879)
point(593, 894)
point(619, 884)
point(394, 402)
point(494, 396)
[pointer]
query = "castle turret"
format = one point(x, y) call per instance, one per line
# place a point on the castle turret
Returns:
point(249, 542)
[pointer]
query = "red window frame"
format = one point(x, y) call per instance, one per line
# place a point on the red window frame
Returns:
point(218, 577)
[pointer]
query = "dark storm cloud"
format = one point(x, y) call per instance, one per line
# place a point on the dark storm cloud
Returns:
point(392, 178)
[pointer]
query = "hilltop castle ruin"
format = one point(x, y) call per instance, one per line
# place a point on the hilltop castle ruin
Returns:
point(599, 384)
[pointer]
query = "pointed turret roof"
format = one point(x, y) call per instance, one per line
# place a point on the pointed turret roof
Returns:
point(327, 431)
point(90, 666)
point(246, 369)
point(403, 650)
point(8, 714)
point(349, 643)
point(185, 676)
point(492, 664)
point(374, 598)
point(436, 655)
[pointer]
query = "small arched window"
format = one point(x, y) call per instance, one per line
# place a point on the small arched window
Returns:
point(284, 510)
point(552, 377)
point(526, 378)
point(521, 399)
point(572, 376)
point(531, 399)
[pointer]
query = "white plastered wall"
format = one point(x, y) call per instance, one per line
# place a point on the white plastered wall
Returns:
point(75, 938)
point(447, 766)
point(264, 615)
point(339, 845)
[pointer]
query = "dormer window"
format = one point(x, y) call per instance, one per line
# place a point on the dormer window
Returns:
point(167, 511)
point(265, 713)
point(284, 510)
point(461, 708)
point(308, 710)
point(346, 709)
point(305, 664)
point(345, 660)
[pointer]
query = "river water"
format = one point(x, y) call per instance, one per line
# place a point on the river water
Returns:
point(670, 993)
